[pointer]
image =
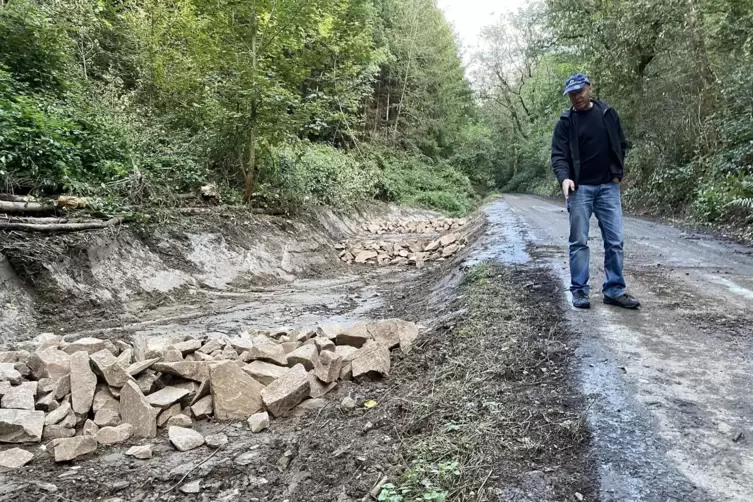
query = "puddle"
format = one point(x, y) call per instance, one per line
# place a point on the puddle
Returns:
point(505, 240)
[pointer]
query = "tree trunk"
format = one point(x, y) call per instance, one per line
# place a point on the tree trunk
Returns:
point(249, 175)
point(25, 207)
point(61, 227)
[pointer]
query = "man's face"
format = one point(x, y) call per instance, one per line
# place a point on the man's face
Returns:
point(580, 99)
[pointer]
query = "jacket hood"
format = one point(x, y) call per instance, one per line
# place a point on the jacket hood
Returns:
point(601, 105)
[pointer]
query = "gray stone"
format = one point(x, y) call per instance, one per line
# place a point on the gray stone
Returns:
point(327, 366)
point(57, 416)
point(235, 394)
point(88, 345)
point(125, 358)
point(216, 440)
point(15, 458)
point(184, 439)
point(141, 452)
point(263, 372)
point(136, 410)
point(305, 355)
point(241, 344)
point(14, 356)
point(266, 349)
point(287, 392)
point(373, 358)
point(364, 256)
point(115, 435)
point(52, 363)
point(192, 487)
point(166, 397)
point(205, 388)
point(346, 352)
point(258, 421)
point(9, 373)
point(211, 346)
point(198, 371)
point(5, 387)
point(139, 366)
point(107, 417)
point(348, 403)
point(46, 341)
point(307, 406)
point(58, 431)
point(172, 355)
point(62, 386)
point(356, 335)
point(180, 421)
point(90, 428)
point(70, 448)
point(188, 346)
point(347, 372)
point(385, 331)
point(20, 397)
point(44, 386)
point(83, 383)
point(247, 458)
point(319, 388)
point(289, 347)
point(70, 420)
point(103, 398)
point(147, 380)
point(329, 330)
point(323, 343)
point(202, 408)
point(46, 403)
point(107, 365)
point(167, 414)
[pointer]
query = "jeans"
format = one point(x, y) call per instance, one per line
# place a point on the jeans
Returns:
point(604, 202)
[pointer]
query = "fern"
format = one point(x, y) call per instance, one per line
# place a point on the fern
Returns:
point(746, 202)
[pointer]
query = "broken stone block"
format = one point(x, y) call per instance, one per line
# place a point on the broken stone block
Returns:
point(263, 372)
point(180, 421)
point(202, 408)
point(328, 330)
point(141, 452)
point(365, 256)
point(44, 385)
point(323, 344)
point(107, 366)
point(57, 416)
point(22, 369)
point(139, 366)
point(15, 458)
point(356, 335)
point(384, 332)
point(432, 246)
point(289, 347)
point(45, 403)
point(228, 353)
point(167, 414)
point(88, 345)
point(103, 398)
point(288, 391)
point(90, 428)
point(191, 488)
point(197, 371)
point(58, 431)
point(62, 386)
point(107, 417)
point(69, 448)
point(83, 383)
point(346, 352)
point(205, 388)
point(20, 397)
point(46, 341)
point(235, 394)
point(200, 356)
point(125, 358)
point(258, 421)
point(185, 439)
point(348, 403)
point(450, 250)
point(347, 372)
point(327, 366)
point(14, 356)
point(407, 332)
point(319, 388)
point(115, 435)
point(211, 346)
point(21, 426)
point(51, 363)
point(188, 346)
point(147, 380)
point(448, 239)
point(70, 420)
point(6, 386)
point(216, 440)
point(305, 355)
point(172, 355)
point(308, 406)
point(266, 349)
point(373, 358)
point(136, 410)
point(166, 397)
point(241, 344)
point(8, 373)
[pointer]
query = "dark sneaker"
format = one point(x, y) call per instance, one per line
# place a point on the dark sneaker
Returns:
point(625, 301)
point(581, 301)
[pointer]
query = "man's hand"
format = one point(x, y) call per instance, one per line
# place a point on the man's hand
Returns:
point(568, 186)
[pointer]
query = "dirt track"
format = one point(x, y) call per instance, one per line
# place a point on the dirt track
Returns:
point(669, 385)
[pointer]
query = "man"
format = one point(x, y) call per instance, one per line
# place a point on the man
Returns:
point(588, 158)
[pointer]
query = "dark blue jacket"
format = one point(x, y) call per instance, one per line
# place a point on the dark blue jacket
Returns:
point(565, 154)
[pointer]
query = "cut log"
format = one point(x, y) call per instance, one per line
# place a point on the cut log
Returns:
point(61, 227)
point(30, 219)
point(25, 207)
point(9, 197)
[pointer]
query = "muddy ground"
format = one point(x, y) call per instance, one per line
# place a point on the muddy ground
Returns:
point(509, 394)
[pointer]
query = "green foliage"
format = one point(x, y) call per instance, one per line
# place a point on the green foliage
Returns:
point(423, 482)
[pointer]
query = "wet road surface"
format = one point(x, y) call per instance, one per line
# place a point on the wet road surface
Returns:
point(670, 385)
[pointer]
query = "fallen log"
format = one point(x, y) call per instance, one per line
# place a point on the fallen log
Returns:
point(9, 197)
point(61, 227)
point(25, 207)
point(30, 219)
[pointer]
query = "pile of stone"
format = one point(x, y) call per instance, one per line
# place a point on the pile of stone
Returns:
point(401, 253)
point(92, 391)
point(416, 226)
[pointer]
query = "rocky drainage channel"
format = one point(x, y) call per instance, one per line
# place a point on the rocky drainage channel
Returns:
point(77, 395)
point(414, 252)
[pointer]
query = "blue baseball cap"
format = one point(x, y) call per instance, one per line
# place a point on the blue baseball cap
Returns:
point(576, 83)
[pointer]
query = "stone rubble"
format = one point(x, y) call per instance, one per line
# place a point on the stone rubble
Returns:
point(91, 391)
